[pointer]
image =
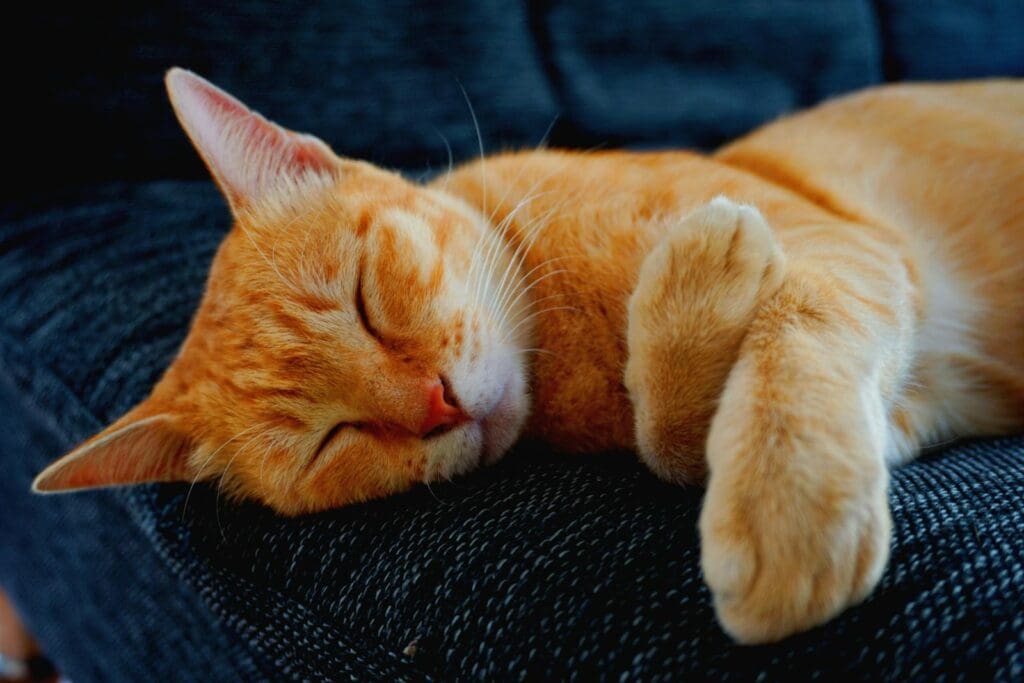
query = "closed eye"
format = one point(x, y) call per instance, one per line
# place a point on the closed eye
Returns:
point(364, 318)
point(329, 437)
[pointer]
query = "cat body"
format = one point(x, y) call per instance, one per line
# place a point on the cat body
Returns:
point(864, 174)
point(781, 321)
point(589, 255)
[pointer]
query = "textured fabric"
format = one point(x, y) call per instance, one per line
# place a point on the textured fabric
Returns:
point(549, 568)
point(542, 567)
point(91, 585)
point(944, 39)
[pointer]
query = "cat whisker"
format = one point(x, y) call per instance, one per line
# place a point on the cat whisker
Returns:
point(451, 158)
point(530, 196)
point(533, 315)
point(480, 142)
point(424, 174)
point(209, 459)
point(538, 280)
point(508, 190)
point(532, 233)
point(556, 295)
point(503, 304)
point(523, 291)
point(511, 185)
point(489, 241)
point(551, 126)
point(506, 288)
point(512, 264)
point(496, 237)
point(481, 238)
point(220, 481)
point(519, 254)
point(434, 494)
point(497, 233)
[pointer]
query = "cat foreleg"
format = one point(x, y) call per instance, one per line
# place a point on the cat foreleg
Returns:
point(796, 524)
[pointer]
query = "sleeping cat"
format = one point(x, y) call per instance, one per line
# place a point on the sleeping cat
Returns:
point(781, 321)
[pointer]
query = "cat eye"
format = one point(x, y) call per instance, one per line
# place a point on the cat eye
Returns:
point(329, 436)
point(364, 318)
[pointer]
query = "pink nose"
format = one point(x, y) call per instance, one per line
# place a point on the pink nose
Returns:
point(442, 409)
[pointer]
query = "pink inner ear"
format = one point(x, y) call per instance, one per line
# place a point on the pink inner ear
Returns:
point(111, 471)
point(247, 154)
point(151, 449)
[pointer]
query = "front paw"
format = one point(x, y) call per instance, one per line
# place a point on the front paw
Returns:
point(696, 295)
point(781, 558)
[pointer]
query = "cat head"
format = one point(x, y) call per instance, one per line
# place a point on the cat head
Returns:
point(355, 337)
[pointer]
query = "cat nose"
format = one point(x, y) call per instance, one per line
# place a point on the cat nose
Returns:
point(442, 408)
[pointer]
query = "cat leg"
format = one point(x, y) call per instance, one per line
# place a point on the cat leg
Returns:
point(696, 296)
point(796, 524)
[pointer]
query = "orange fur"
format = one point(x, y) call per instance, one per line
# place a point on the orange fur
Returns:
point(854, 297)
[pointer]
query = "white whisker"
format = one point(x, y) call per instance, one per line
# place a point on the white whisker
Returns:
point(497, 241)
point(533, 315)
point(206, 463)
point(451, 159)
point(220, 481)
point(480, 142)
point(519, 258)
point(502, 230)
point(538, 280)
point(485, 273)
point(551, 126)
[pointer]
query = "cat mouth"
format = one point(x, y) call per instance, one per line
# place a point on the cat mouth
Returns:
point(445, 428)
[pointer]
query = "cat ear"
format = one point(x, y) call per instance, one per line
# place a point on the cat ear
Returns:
point(131, 451)
point(249, 156)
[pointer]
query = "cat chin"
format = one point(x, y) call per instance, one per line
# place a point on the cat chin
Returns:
point(457, 452)
point(503, 424)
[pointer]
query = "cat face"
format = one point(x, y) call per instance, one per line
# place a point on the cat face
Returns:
point(358, 334)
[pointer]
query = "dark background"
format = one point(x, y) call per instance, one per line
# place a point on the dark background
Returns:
point(380, 80)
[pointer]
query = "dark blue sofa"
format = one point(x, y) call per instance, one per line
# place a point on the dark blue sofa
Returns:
point(543, 567)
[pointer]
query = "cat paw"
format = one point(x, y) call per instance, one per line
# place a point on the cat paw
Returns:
point(782, 558)
point(696, 295)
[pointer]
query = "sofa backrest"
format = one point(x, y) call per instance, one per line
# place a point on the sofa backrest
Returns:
point(383, 80)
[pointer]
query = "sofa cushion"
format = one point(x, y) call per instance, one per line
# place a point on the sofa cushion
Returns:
point(383, 81)
point(541, 567)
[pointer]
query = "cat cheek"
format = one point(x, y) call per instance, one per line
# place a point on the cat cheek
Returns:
point(407, 464)
point(455, 453)
point(360, 469)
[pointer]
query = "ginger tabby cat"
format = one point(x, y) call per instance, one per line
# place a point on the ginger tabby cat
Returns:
point(781, 320)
